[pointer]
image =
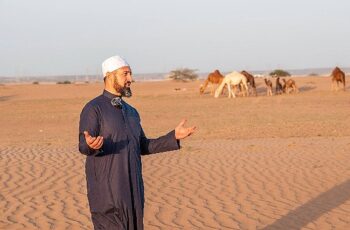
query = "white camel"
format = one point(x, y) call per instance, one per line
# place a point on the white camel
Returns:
point(233, 79)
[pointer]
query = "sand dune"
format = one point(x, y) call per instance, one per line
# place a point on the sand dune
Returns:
point(278, 162)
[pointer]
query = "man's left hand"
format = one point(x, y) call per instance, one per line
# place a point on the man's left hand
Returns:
point(182, 132)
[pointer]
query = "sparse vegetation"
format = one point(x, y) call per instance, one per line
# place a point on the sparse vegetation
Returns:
point(279, 73)
point(35, 83)
point(183, 74)
point(64, 82)
point(313, 74)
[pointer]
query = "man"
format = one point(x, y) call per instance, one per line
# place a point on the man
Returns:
point(111, 136)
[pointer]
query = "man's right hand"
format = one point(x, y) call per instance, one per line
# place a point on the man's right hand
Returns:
point(93, 142)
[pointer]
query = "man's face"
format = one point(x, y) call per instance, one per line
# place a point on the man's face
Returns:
point(123, 79)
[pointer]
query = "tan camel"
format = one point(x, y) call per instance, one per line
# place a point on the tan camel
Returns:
point(337, 76)
point(214, 78)
point(289, 86)
point(269, 87)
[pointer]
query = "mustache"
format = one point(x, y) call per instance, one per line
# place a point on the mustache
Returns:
point(127, 84)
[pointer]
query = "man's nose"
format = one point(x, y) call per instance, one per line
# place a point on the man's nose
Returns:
point(129, 78)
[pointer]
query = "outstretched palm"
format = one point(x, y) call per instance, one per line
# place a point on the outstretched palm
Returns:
point(182, 132)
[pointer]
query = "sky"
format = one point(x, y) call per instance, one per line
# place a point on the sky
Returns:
point(43, 37)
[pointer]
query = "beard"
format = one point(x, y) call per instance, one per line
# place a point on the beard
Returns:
point(125, 91)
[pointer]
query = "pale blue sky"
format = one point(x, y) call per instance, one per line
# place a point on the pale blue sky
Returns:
point(43, 37)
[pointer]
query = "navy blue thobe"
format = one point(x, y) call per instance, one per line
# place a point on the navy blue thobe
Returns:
point(114, 172)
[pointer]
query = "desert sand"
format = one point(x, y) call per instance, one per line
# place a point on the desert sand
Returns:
point(280, 162)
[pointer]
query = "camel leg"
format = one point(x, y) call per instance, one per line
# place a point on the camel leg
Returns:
point(234, 91)
point(246, 90)
point(229, 90)
point(240, 87)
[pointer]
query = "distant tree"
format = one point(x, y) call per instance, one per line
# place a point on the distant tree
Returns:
point(35, 83)
point(279, 73)
point(313, 74)
point(183, 74)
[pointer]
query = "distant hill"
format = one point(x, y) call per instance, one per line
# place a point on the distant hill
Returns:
point(150, 76)
point(75, 78)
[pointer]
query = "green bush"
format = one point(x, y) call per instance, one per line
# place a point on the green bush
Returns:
point(279, 73)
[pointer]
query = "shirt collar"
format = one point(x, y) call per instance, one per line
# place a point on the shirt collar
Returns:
point(109, 95)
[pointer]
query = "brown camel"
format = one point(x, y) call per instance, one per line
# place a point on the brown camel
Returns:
point(289, 86)
point(337, 76)
point(279, 88)
point(269, 87)
point(251, 81)
point(214, 78)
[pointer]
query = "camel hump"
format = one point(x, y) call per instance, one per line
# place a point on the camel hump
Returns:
point(337, 70)
point(217, 72)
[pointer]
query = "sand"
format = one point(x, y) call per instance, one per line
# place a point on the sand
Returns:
point(280, 162)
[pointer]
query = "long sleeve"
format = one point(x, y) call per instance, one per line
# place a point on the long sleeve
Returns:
point(164, 143)
point(89, 121)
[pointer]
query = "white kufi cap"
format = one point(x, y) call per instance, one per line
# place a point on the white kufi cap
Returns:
point(113, 63)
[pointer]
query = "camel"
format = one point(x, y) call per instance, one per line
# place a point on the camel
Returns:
point(279, 88)
point(214, 78)
point(251, 81)
point(232, 79)
point(269, 87)
point(337, 76)
point(289, 85)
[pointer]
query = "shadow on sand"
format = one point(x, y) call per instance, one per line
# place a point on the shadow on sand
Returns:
point(6, 98)
point(305, 88)
point(314, 208)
